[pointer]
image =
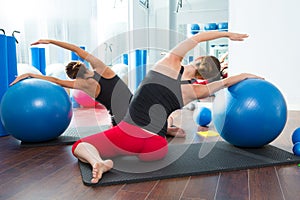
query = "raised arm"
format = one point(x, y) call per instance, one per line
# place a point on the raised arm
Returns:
point(185, 46)
point(64, 83)
point(95, 62)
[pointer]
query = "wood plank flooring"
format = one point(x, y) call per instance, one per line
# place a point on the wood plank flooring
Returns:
point(51, 172)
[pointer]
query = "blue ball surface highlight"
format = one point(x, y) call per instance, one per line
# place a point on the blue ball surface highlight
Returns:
point(35, 110)
point(251, 113)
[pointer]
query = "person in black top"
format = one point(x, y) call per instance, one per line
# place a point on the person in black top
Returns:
point(101, 83)
point(166, 88)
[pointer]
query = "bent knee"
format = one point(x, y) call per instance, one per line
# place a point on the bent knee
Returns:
point(74, 146)
point(155, 149)
point(155, 155)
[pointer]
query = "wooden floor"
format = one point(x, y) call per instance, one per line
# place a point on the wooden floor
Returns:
point(52, 173)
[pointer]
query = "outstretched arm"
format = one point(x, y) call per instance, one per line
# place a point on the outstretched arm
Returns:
point(203, 91)
point(64, 83)
point(184, 47)
point(95, 62)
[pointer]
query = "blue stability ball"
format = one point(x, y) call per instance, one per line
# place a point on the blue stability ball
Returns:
point(35, 110)
point(204, 116)
point(296, 148)
point(210, 26)
point(195, 28)
point(251, 113)
point(296, 135)
point(223, 26)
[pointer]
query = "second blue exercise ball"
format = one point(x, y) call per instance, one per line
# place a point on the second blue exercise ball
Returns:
point(296, 149)
point(195, 28)
point(210, 26)
point(296, 135)
point(223, 26)
point(35, 110)
point(203, 117)
point(251, 113)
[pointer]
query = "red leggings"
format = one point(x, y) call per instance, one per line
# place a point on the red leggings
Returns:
point(126, 139)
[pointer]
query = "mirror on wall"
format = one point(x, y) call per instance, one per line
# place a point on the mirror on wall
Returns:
point(195, 16)
point(93, 24)
point(84, 23)
point(186, 17)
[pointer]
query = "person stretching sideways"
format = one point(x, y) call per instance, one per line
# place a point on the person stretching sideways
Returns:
point(101, 83)
point(166, 87)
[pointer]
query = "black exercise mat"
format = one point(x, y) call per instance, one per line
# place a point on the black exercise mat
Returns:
point(223, 157)
point(70, 136)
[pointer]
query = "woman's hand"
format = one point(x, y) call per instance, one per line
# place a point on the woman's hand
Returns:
point(247, 76)
point(42, 41)
point(19, 78)
point(237, 36)
point(231, 80)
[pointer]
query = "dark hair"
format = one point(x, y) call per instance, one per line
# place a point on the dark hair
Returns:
point(209, 68)
point(76, 70)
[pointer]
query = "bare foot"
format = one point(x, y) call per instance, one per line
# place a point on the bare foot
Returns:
point(176, 132)
point(99, 168)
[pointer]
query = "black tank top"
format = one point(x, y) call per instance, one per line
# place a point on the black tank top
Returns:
point(155, 99)
point(114, 95)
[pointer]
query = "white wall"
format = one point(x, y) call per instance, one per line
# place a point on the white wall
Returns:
point(272, 48)
point(112, 26)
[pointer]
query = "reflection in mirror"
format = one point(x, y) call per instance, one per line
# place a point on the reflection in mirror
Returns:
point(194, 16)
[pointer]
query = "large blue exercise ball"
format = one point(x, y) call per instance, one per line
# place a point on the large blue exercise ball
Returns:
point(35, 110)
point(251, 113)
